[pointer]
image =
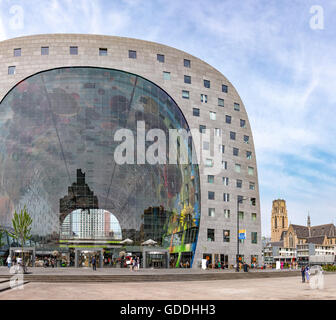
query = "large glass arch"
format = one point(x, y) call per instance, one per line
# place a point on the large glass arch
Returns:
point(57, 156)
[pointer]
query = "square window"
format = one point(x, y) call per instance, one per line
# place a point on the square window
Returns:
point(241, 215)
point(226, 197)
point(254, 237)
point(237, 168)
point(17, 52)
point(206, 84)
point(11, 70)
point(254, 216)
point(211, 212)
point(160, 58)
point(202, 128)
point(211, 195)
point(236, 152)
point(211, 179)
point(206, 145)
point(218, 132)
point(44, 51)
point(228, 119)
point(209, 163)
point(242, 123)
point(212, 115)
point(232, 135)
point(226, 235)
point(220, 102)
point(252, 186)
point(246, 139)
point(187, 79)
point(221, 148)
point(250, 171)
point(236, 107)
point(253, 201)
point(102, 51)
point(185, 94)
point(225, 181)
point(224, 165)
point(74, 51)
point(239, 183)
point(226, 213)
point(132, 54)
point(187, 63)
point(166, 75)
point(211, 235)
point(204, 98)
point(196, 112)
point(224, 88)
point(249, 155)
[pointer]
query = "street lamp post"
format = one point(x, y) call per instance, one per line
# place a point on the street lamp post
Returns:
point(239, 200)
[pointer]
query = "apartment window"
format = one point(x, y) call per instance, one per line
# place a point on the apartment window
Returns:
point(241, 215)
point(232, 135)
point(249, 155)
point(202, 128)
point(204, 98)
point(251, 185)
point(102, 51)
point(228, 119)
point(226, 213)
point(206, 84)
point(211, 195)
point(253, 201)
point(74, 51)
point(211, 235)
point(187, 79)
point(225, 181)
point(211, 179)
point(242, 123)
point(250, 171)
point(196, 112)
point(246, 139)
point(224, 165)
point(166, 75)
point(185, 94)
point(206, 145)
point(212, 115)
point(218, 132)
point(238, 168)
point(254, 237)
point(226, 235)
point(11, 70)
point(220, 102)
point(17, 52)
point(160, 57)
point(211, 212)
point(224, 88)
point(254, 216)
point(236, 152)
point(236, 106)
point(221, 148)
point(209, 163)
point(187, 63)
point(239, 183)
point(132, 54)
point(226, 197)
point(44, 51)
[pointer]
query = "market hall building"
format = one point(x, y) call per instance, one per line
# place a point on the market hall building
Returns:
point(65, 97)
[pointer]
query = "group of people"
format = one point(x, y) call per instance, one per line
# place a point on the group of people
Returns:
point(134, 263)
point(49, 262)
point(10, 262)
point(305, 273)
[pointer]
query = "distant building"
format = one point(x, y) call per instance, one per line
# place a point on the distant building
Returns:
point(279, 222)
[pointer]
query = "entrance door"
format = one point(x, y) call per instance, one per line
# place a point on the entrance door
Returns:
point(156, 260)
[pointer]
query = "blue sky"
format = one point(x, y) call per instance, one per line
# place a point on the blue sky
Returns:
point(284, 70)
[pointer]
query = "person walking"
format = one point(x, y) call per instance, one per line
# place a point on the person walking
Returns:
point(307, 273)
point(9, 261)
point(303, 271)
point(94, 262)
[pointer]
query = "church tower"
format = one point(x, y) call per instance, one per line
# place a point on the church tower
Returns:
point(279, 222)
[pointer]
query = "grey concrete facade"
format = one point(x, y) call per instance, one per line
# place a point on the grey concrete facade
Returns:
point(146, 65)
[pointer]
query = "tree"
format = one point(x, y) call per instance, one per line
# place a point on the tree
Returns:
point(22, 229)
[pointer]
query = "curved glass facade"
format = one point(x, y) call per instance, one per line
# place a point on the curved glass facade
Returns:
point(57, 157)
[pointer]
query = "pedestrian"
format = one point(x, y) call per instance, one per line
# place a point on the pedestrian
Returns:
point(303, 271)
point(94, 267)
point(307, 273)
point(9, 261)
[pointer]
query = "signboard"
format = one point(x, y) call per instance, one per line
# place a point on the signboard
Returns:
point(204, 263)
point(242, 234)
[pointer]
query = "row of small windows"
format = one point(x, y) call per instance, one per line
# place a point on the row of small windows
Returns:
point(227, 214)
point(210, 163)
point(213, 116)
point(204, 97)
point(235, 151)
point(226, 236)
point(226, 197)
point(225, 181)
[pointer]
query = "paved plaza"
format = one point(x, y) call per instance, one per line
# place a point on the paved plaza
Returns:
point(240, 289)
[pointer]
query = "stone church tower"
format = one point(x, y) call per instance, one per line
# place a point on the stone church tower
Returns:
point(279, 218)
